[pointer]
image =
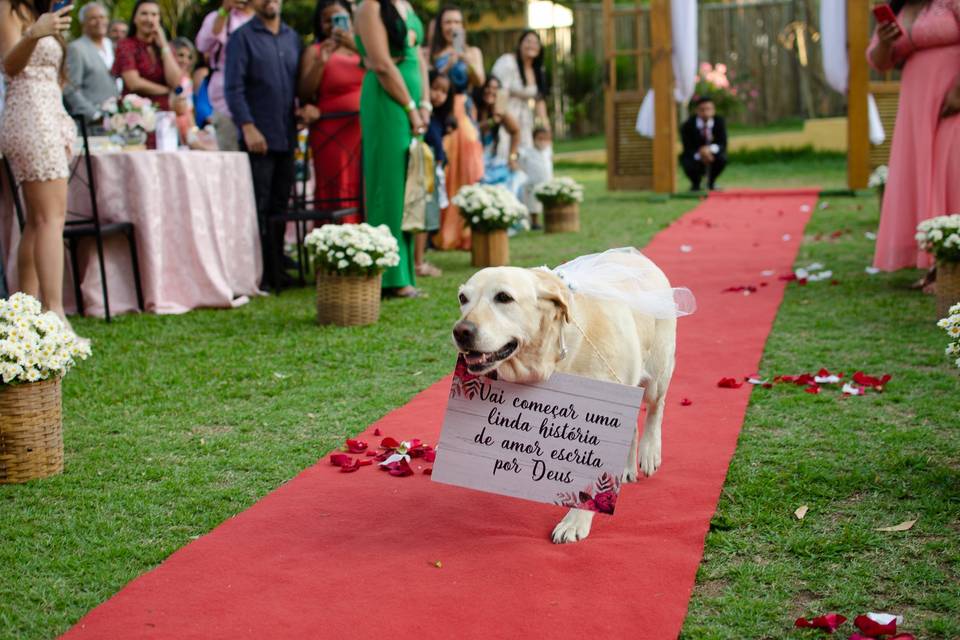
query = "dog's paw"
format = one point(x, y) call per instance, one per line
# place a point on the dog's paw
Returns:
point(574, 527)
point(629, 474)
point(649, 457)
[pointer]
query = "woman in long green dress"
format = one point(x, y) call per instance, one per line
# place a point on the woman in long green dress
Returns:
point(392, 110)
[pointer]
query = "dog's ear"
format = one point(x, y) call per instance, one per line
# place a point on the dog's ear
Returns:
point(550, 287)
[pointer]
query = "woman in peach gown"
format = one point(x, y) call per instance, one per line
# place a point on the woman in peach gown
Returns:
point(925, 157)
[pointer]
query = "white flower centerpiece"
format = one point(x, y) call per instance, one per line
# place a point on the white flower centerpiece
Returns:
point(940, 236)
point(349, 261)
point(561, 198)
point(36, 351)
point(129, 119)
point(951, 324)
point(489, 211)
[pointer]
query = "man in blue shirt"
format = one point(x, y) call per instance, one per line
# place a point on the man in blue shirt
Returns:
point(260, 88)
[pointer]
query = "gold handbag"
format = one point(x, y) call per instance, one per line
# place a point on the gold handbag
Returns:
point(419, 186)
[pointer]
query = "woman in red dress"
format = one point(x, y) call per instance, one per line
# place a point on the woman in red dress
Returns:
point(144, 59)
point(330, 82)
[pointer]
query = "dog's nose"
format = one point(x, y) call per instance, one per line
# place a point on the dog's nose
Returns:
point(465, 333)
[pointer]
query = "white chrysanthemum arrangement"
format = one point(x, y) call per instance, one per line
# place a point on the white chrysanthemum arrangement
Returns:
point(879, 177)
point(488, 207)
point(353, 249)
point(951, 324)
point(130, 113)
point(941, 237)
point(559, 191)
point(34, 345)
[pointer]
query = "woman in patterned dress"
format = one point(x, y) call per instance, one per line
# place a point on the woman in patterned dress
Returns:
point(36, 136)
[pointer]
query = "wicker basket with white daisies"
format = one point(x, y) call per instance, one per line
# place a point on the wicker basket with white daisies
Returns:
point(349, 261)
point(489, 211)
point(561, 198)
point(36, 351)
point(951, 324)
point(940, 236)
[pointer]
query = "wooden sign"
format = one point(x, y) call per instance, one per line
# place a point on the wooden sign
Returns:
point(564, 441)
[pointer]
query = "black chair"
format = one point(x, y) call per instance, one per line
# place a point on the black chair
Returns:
point(304, 207)
point(79, 227)
point(9, 183)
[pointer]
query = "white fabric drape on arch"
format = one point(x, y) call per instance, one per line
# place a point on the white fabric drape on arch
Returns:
point(836, 60)
point(683, 27)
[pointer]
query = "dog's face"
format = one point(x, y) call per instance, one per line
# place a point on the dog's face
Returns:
point(510, 320)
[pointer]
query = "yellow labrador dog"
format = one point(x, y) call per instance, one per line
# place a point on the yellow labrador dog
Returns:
point(527, 323)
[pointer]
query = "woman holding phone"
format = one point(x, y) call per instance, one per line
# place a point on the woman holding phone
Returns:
point(924, 42)
point(331, 77)
point(144, 59)
point(36, 136)
point(464, 66)
point(392, 112)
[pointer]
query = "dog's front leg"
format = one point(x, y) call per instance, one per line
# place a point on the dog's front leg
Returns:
point(574, 526)
point(630, 472)
point(650, 441)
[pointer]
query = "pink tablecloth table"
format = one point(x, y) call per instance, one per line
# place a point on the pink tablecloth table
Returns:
point(195, 222)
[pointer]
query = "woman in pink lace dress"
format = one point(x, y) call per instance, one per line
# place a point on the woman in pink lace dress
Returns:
point(36, 136)
point(925, 157)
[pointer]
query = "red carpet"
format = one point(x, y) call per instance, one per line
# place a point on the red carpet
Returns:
point(333, 555)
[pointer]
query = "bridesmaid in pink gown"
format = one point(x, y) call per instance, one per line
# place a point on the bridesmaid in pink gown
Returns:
point(925, 157)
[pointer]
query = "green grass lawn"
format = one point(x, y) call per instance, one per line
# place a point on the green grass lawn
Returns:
point(179, 422)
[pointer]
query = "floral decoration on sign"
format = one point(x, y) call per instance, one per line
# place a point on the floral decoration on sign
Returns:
point(599, 496)
point(466, 384)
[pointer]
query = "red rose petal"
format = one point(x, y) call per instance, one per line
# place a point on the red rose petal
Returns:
point(729, 383)
point(401, 469)
point(814, 389)
point(389, 443)
point(430, 455)
point(830, 622)
point(340, 459)
point(686, 402)
point(376, 432)
point(872, 628)
point(371, 452)
point(356, 446)
point(364, 463)
point(428, 471)
point(350, 468)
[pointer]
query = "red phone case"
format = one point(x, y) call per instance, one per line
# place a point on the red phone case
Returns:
point(883, 13)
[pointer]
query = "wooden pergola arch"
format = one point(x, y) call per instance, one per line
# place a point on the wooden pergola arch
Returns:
point(636, 163)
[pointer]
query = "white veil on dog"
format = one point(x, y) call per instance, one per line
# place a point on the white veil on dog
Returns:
point(626, 275)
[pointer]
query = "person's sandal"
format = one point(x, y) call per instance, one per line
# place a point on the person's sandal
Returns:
point(427, 270)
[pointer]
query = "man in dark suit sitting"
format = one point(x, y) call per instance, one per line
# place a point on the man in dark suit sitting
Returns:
point(704, 137)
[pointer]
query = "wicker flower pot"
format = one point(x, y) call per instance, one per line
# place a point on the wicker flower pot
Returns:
point(948, 286)
point(31, 431)
point(348, 300)
point(561, 218)
point(490, 248)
